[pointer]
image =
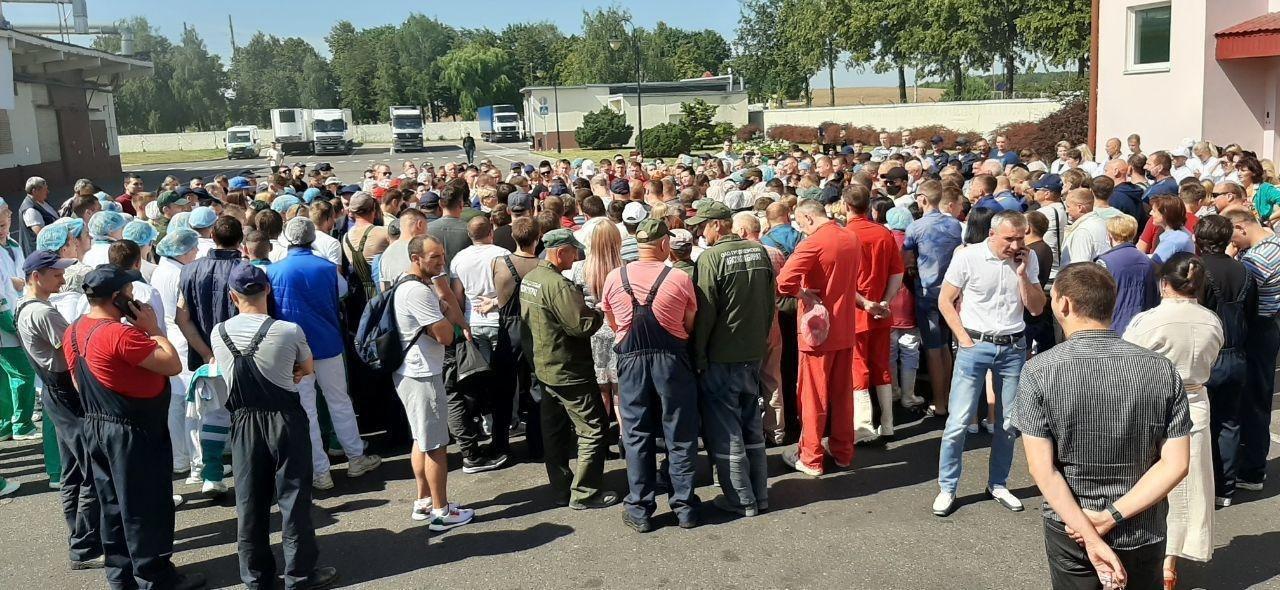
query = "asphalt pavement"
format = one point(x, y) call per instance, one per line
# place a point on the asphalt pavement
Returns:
point(347, 167)
point(867, 527)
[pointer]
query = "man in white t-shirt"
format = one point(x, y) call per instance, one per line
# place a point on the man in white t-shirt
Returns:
point(472, 267)
point(998, 280)
point(424, 329)
point(395, 259)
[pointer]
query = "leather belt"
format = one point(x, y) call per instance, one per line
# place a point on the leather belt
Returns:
point(998, 340)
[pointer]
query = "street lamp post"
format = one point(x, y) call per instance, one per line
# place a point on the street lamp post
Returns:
point(615, 44)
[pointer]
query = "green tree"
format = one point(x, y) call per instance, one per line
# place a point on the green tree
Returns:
point(533, 48)
point(417, 47)
point(696, 117)
point(996, 27)
point(947, 43)
point(478, 75)
point(762, 54)
point(354, 65)
point(879, 33)
point(812, 33)
point(146, 104)
point(591, 60)
point(1059, 32)
point(197, 83)
point(603, 129)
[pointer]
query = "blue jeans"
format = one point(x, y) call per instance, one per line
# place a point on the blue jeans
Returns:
point(968, 385)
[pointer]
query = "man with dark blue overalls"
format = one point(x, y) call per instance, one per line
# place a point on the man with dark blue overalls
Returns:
point(261, 360)
point(122, 373)
point(657, 388)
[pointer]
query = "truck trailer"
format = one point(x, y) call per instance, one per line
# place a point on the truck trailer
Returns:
point(499, 122)
point(293, 130)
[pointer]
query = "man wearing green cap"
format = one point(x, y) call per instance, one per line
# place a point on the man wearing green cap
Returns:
point(735, 310)
point(170, 203)
point(651, 307)
point(557, 335)
point(735, 285)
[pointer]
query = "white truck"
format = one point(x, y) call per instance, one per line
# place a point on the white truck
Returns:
point(334, 132)
point(406, 129)
point(242, 142)
point(293, 130)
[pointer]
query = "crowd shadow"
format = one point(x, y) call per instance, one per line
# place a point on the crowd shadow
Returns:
point(374, 554)
point(1248, 561)
point(223, 532)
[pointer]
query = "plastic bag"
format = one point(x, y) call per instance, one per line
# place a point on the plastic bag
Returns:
point(815, 321)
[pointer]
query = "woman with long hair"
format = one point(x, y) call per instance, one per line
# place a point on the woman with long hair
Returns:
point(604, 253)
point(1169, 215)
point(1190, 336)
point(1263, 194)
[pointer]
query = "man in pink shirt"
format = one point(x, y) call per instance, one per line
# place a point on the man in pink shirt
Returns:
point(651, 310)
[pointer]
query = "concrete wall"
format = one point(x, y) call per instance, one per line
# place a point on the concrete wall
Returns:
point(24, 128)
point(969, 116)
point(209, 140)
point(575, 102)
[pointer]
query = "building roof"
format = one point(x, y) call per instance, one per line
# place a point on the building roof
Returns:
point(36, 58)
point(727, 83)
point(1256, 37)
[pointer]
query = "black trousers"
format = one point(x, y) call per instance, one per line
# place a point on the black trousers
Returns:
point(1226, 385)
point(1070, 569)
point(79, 500)
point(495, 389)
point(1262, 345)
point(131, 475)
point(465, 408)
point(271, 458)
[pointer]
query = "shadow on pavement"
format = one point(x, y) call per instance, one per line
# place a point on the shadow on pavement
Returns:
point(1248, 561)
point(373, 554)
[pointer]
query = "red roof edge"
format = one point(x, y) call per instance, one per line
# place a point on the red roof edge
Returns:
point(1267, 23)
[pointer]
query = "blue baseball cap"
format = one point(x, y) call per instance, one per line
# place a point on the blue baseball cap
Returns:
point(350, 189)
point(43, 260)
point(247, 279)
point(282, 203)
point(1050, 182)
point(201, 217)
point(240, 183)
point(108, 279)
point(519, 202)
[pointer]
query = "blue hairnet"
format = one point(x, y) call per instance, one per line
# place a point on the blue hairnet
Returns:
point(202, 217)
point(112, 206)
point(105, 223)
point(282, 203)
point(54, 236)
point(177, 242)
point(898, 218)
point(179, 221)
point(140, 232)
point(310, 195)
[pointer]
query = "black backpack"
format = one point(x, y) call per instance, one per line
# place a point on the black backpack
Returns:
point(377, 341)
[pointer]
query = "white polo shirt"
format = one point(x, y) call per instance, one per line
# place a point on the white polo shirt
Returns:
point(990, 301)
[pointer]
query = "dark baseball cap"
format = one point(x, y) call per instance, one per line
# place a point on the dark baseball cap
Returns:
point(651, 230)
point(1049, 182)
point(324, 167)
point(620, 187)
point(247, 279)
point(43, 260)
point(520, 202)
point(350, 189)
point(896, 173)
point(709, 209)
point(172, 198)
point(107, 280)
point(936, 139)
point(431, 200)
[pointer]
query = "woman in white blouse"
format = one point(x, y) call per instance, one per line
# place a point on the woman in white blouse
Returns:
point(1190, 336)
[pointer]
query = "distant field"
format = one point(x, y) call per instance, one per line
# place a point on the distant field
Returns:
point(868, 95)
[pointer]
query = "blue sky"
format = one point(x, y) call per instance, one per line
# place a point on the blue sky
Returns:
point(312, 20)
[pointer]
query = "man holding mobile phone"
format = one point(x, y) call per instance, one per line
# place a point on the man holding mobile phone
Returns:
point(122, 374)
point(998, 281)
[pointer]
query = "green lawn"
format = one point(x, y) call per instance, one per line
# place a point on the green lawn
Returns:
point(170, 157)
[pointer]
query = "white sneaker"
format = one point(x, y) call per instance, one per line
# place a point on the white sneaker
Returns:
point(194, 478)
point(362, 465)
point(178, 500)
point(944, 503)
point(1221, 502)
point(324, 481)
point(451, 516)
point(213, 488)
point(988, 426)
point(1240, 484)
point(421, 509)
point(971, 429)
point(10, 487)
point(1006, 498)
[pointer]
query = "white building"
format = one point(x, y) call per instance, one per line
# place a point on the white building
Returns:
point(1174, 69)
point(57, 111)
point(553, 113)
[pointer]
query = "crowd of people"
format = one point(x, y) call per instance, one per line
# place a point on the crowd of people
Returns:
point(636, 308)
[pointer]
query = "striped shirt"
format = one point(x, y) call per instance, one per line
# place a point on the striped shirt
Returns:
point(1108, 406)
point(1263, 262)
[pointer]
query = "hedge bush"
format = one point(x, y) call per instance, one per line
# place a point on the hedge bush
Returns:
point(722, 131)
point(747, 132)
point(1071, 122)
point(603, 129)
point(666, 140)
point(801, 134)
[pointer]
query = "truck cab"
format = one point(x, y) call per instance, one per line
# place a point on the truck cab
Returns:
point(406, 129)
point(333, 131)
point(499, 122)
point(242, 142)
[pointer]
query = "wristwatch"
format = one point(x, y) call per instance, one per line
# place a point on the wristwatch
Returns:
point(1115, 514)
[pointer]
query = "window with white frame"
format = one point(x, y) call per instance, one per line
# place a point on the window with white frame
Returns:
point(1149, 35)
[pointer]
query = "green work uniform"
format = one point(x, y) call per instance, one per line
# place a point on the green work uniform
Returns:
point(557, 329)
point(735, 286)
point(686, 267)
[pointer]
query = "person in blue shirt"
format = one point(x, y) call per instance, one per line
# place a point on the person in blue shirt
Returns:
point(1158, 166)
point(981, 192)
point(1002, 152)
point(781, 234)
point(305, 288)
point(1170, 215)
point(929, 245)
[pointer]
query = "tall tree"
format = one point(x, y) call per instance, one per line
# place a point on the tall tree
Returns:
point(762, 54)
point(478, 74)
point(947, 42)
point(533, 48)
point(995, 25)
point(197, 83)
point(354, 65)
point(592, 60)
point(880, 33)
point(418, 45)
point(813, 35)
point(1059, 32)
point(145, 104)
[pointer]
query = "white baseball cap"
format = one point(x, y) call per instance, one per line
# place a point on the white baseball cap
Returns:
point(634, 212)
